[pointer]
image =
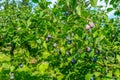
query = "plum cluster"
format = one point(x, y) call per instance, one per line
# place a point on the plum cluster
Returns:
point(90, 25)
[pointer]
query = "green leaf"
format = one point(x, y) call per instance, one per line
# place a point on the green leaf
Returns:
point(109, 9)
point(25, 68)
point(12, 68)
point(78, 10)
point(62, 50)
point(113, 1)
point(106, 1)
point(102, 37)
point(91, 53)
point(5, 66)
point(93, 3)
point(35, 1)
point(33, 44)
point(45, 54)
point(114, 5)
point(60, 76)
point(109, 74)
point(28, 22)
point(97, 74)
point(117, 72)
point(4, 58)
point(42, 67)
point(118, 57)
point(117, 12)
point(45, 44)
point(88, 76)
point(68, 2)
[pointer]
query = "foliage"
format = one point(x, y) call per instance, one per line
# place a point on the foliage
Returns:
point(67, 42)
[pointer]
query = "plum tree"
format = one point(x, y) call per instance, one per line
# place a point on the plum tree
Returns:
point(73, 40)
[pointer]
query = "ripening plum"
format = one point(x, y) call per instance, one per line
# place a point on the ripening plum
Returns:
point(49, 36)
point(73, 61)
point(91, 24)
point(106, 58)
point(97, 51)
point(88, 49)
point(47, 39)
point(87, 27)
point(113, 36)
point(54, 44)
point(12, 76)
point(66, 13)
point(94, 59)
point(68, 52)
point(21, 65)
point(69, 41)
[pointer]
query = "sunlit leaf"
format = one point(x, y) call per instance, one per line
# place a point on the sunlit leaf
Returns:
point(78, 10)
point(45, 54)
point(93, 3)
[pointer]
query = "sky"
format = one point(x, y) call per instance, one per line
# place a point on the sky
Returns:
point(53, 2)
point(110, 14)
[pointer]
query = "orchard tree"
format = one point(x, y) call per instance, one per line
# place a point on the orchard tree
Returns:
point(73, 40)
